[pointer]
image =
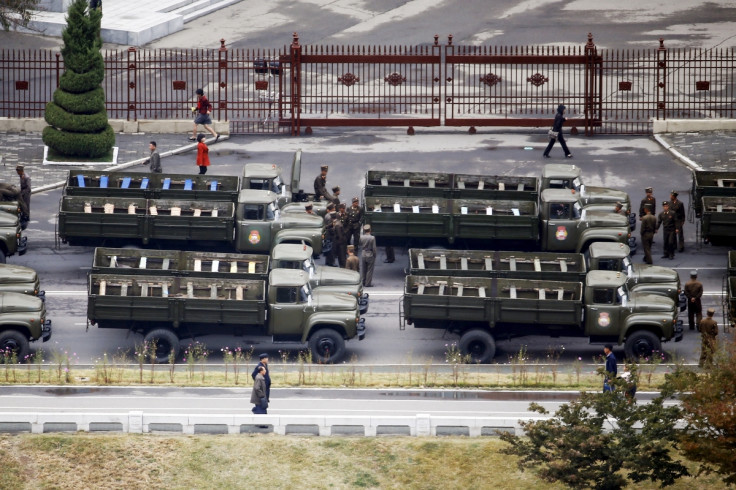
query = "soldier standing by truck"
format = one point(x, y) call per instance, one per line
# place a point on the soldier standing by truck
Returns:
point(648, 229)
point(341, 238)
point(649, 200)
point(679, 209)
point(25, 196)
point(368, 254)
point(354, 221)
point(320, 185)
point(708, 332)
point(694, 291)
point(330, 245)
point(666, 220)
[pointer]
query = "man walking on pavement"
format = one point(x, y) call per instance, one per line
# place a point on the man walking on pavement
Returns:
point(666, 220)
point(679, 209)
point(648, 229)
point(708, 332)
point(693, 292)
point(25, 196)
point(354, 221)
point(154, 160)
point(611, 367)
point(368, 254)
point(650, 200)
point(264, 364)
point(320, 185)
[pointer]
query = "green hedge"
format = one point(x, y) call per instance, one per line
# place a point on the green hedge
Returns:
point(87, 145)
point(78, 83)
point(83, 62)
point(76, 123)
point(86, 103)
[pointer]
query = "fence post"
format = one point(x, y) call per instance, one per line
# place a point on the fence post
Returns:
point(222, 76)
point(132, 83)
point(589, 95)
point(58, 69)
point(296, 85)
point(661, 71)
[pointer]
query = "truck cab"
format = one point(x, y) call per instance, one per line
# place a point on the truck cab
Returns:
point(22, 319)
point(641, 278)
point(332, 279)
point(260, 224)
point(20, 279)
point(325, 319)
point(614, 314)
point(567, 226)
point(12, 240)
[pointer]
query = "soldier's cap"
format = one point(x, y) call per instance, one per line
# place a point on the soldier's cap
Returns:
point(324, 168)
point(263, 356)
point(674, 193)
point(619, 205)
point(308, 206)
point(711, 312)
point(665, 203)
point(693, 273)
point(341, 206)
point(351, 248)
point(336, 188)
point(648, 189)
point(366, 227)
point(331, 205)
point(19, 167)
point(355, 199)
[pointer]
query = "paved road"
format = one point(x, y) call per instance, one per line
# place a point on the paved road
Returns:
point(625, 163)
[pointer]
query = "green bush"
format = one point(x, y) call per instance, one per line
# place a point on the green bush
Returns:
point(78, 83)
point(86, 103)
point(87, 145)
point(75, 123)
point(84, 62)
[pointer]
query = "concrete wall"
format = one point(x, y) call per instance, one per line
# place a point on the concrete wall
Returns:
point(54, 5)
point(690, 125)
point(169, 126)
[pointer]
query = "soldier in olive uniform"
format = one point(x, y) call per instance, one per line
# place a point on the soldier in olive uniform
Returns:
point(330, 246)
point(648, 229)
point(666, 220)
point(650, 200)
point(353, 262)
point(618, 208)
point(341, 238)
point(708, 332)
point(693, 292)
point(336, 195)
point(320, 185)
point(354, 221)
point(679, 209)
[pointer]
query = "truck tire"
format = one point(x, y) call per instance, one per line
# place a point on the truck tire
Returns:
point(13, 340)
point(327, 346)
point(166, 341)
point(479, 345)
point(641, 344)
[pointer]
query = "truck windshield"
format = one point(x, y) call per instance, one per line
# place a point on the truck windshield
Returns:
point(623, 297)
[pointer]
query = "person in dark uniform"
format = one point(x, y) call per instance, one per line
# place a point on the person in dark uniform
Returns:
point(320, 185)
point(611, 367)
point(618, 208)
point(368, 254)
point(666, 220)
point(330, 246)
point(557, 127)
point(25, 196)
point(708, 332)
point(263, 363)
point(341, 237)
point(679, 209)
point(693, 292)
point(258, 395)
point(354, 221)
point(336, 195)
point(650, 200)
point(648, 229)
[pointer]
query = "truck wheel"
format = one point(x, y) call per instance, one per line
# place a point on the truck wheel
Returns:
point(479, 345)
point(327, 346)
point(166, 341)
point(12, 340)
point(641, 344)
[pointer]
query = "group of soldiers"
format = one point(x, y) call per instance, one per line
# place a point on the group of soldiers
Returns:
point(670, 220)
point(343, 225)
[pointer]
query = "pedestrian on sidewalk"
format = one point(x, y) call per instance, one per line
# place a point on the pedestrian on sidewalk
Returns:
point(611, 368)
point(203, 111)
point(258, 396)
point(203, 155)
point(555, 133)
point(154, 160)
point(25, 196)
point(263, 358)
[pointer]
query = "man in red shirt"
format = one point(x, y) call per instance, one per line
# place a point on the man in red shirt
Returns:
point(203, 110)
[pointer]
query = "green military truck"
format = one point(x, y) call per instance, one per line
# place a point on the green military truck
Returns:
point(714, 204)
point(20, 279)
point(230, 265)
point(167, 308)
point(550, 266)
point(481, 309)
point(22, 320)
point(562, 176)
point(12, 240)
point(253, 225)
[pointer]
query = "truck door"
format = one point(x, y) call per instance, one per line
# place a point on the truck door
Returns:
point(560, 233)
point(286, 310)
point(253, 229)
point(603, 312)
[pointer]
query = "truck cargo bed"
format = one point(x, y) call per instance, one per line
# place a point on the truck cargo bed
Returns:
point(719, 217)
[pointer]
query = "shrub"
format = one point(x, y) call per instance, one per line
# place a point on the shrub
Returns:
point(86, 145)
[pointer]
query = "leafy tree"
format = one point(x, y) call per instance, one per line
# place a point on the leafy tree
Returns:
point(77, 118)
point(602, 440)
point(709, 412)
point(16, 13)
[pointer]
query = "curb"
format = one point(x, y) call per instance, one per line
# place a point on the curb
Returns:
point(690, 163)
